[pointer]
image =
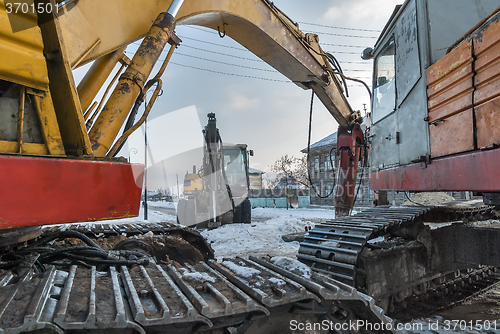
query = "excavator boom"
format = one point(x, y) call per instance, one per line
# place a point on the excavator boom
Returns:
point(79, 32)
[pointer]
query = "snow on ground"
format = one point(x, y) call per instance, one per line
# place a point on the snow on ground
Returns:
point(292, 265)
point(168, 205)
point(196, 276)
point(302, 213)
point(241, 269)
point(257, 239)
point(153, 217)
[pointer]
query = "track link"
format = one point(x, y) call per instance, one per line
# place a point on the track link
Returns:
point(171, 298)
point(333, 247)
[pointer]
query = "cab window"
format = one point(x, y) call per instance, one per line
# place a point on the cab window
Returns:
point(384, 92)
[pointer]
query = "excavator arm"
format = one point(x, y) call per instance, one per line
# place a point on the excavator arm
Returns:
point(80, 32)
point(103, 27)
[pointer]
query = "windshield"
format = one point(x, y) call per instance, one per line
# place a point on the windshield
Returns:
point(235, 167)
point(384, 99)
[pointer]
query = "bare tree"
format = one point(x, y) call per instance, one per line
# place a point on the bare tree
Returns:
point(291, 169)
point(269, 181)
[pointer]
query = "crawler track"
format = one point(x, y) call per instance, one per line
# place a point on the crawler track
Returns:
point(333, 247)
point(234, 295)
point(337, 248)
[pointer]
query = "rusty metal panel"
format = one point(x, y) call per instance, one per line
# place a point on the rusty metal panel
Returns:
point(488, 123)
point(449, 83)
point(453, 99)
point(454, 135)
point(450, 99)
point(487, 65)
point(487, 81)
point(448, 20)
point(474, 171)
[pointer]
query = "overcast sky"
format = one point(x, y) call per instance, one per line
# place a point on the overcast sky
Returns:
point(270, 116)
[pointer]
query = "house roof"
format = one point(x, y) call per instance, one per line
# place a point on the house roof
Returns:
point(255, 171)
point(328, 141)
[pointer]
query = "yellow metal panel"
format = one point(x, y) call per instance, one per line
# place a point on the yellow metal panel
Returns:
point(21, 50)
point(12, 147)
point(65, 96)
point(35, 149)
point(8, 146)
point(48, 121)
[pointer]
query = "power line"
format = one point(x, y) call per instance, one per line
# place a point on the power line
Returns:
point(198, 28)
point(257, 60)
point(225, 46)
point(342, 35)
point(344, 45)
point(355, 70)
point(334, 27)
point(224, 63)
point(314, 32)
point(243, 49)
point(231, 74)
point(345, 52)
point(220, 53)
point(242, 66)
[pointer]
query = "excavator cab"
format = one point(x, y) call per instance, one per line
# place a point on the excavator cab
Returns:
point(218, 193)
point(236, 169)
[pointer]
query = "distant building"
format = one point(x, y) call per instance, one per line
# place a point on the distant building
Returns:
point(255, 177)
point(288, 183)
point(323, 167)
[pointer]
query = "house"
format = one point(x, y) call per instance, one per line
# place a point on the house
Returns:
point(323, 167)
point(255, 178)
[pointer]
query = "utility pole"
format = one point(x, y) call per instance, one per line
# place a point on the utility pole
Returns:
point(178, 191)
point(146, 169)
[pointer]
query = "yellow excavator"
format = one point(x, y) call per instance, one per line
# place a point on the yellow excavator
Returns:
point(218, 193)
point(58, 157)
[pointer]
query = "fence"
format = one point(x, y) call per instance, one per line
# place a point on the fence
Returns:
point(276, 193)
point(280, 202)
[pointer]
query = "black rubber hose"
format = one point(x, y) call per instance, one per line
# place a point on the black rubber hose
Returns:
point(46, 257)
point(131, 119)
point(9, 264)
point(35, 249)
point(68, 234)
point(97, 261)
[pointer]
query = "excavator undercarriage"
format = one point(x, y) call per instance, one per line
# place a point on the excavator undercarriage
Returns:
point(130, 289)
point(396, 254)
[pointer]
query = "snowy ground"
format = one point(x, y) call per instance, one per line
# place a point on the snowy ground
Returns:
point(154, 216)
point(263, 237)
point(168, 205)
point(257, 239)
point(316, 215)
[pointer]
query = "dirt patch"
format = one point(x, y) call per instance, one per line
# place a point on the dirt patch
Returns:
point(486, 306)
point(167, 248)
point(429, 199)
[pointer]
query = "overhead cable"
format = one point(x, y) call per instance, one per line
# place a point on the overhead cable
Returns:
point(224, 63)
point(335, 27)
point(341, 35)
point(231, 74)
